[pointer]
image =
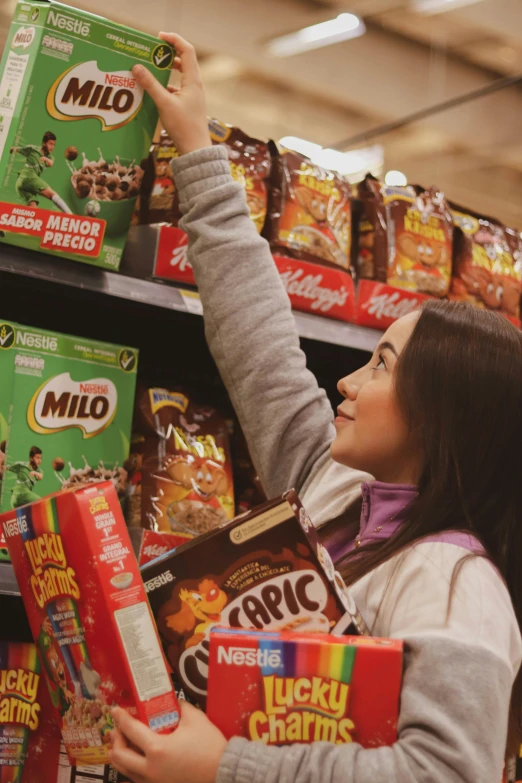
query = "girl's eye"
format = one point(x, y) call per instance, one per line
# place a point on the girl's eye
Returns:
point(381, 365)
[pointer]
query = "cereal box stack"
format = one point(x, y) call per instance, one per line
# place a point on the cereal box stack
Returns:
point(89, 617)
point(265, 570)
point(74, 126)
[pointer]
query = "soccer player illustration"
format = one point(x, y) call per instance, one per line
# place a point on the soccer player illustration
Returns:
point(27, 474)
point(30, 185)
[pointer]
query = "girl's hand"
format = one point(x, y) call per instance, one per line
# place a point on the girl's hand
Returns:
point(182, 110)
point(191, 754)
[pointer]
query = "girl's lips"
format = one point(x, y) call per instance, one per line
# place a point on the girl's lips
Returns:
point(343, 420)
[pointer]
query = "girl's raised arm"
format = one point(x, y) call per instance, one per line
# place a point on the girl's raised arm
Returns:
point(286, 417)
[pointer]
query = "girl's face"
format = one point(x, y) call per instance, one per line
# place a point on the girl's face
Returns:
point(371, 433)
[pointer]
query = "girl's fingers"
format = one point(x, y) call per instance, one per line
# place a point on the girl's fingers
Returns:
point(133, 730)
point(177, 64)
point(148, 81)
point(127, 761)
point(188, 710)
point(173, 90)
point(187, 55)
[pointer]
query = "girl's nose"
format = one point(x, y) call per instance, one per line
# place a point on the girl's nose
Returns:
point(348, 388)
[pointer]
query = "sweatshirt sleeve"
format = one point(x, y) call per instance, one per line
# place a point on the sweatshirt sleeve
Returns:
point(287, 419)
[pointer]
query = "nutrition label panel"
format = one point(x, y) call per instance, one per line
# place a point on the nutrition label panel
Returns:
point(10, 87)
point(143, 651)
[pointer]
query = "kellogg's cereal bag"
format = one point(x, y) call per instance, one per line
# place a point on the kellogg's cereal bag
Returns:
point(488, 263)
point(186, 467)
point(405, 237)
point(310, 211)
point(250, 165)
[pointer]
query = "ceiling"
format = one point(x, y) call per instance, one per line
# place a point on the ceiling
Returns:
point(405, 62)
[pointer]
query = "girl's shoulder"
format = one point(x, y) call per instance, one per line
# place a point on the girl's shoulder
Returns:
point(442, 587)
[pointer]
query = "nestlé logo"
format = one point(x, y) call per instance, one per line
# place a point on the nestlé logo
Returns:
point(84, 91)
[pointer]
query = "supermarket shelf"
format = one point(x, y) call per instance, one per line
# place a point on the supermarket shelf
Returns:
point(87, 278)
point(8, 583)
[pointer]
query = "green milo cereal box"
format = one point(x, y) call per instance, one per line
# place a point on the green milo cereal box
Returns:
point(66, 407)
point(74, 125)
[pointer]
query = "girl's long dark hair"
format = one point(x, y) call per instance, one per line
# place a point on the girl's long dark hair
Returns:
point(459, 385)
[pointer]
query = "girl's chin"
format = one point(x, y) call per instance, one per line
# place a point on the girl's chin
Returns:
point(339, 453)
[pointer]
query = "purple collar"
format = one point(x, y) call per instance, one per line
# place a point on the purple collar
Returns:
point(383, 511)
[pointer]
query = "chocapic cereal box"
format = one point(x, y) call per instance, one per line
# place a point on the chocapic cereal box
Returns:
point(29, 734)
point(265, 570)
point(73, 125)
point(89, 616)
point(281, 688)
point(65, 412)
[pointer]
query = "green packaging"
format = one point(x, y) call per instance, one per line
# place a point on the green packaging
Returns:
point(66, 407)
point(74, 125)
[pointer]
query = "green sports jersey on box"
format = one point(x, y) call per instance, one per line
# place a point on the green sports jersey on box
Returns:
point(74, 126)
point(66, 408)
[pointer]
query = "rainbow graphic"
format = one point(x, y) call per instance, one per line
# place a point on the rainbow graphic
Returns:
point(313, 657)
point(13, 657)
point(64, 625)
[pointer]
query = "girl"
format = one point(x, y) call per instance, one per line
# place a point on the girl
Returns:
point(431, 551)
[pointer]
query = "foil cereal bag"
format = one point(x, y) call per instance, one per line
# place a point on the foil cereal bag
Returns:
point(159, 202)
point(187, 483)
point(89, 617)
point(488, 264)
point(310, 211)
point(29, 734)
point(250, 165)
point(405, 237)
point(65, 412)
point(285, 688)
point(74, 124)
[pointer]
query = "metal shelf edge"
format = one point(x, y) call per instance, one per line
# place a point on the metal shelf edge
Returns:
point(8, 583)
point(164, 295)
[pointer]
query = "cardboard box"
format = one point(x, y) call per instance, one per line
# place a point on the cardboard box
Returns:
point(71, 112)
point(89, 617)
point(282, 688)
point(66, 407)
point(149, 544)
point(29, 734)
point(264, 570)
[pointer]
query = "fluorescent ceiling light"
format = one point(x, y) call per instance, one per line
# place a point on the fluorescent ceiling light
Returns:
point(353, 164)
point(343, 28)
point(439, 6)
point(396, 178)
point(302, 146)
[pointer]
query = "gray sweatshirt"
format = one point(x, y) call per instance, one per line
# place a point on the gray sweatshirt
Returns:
point(459, 667)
